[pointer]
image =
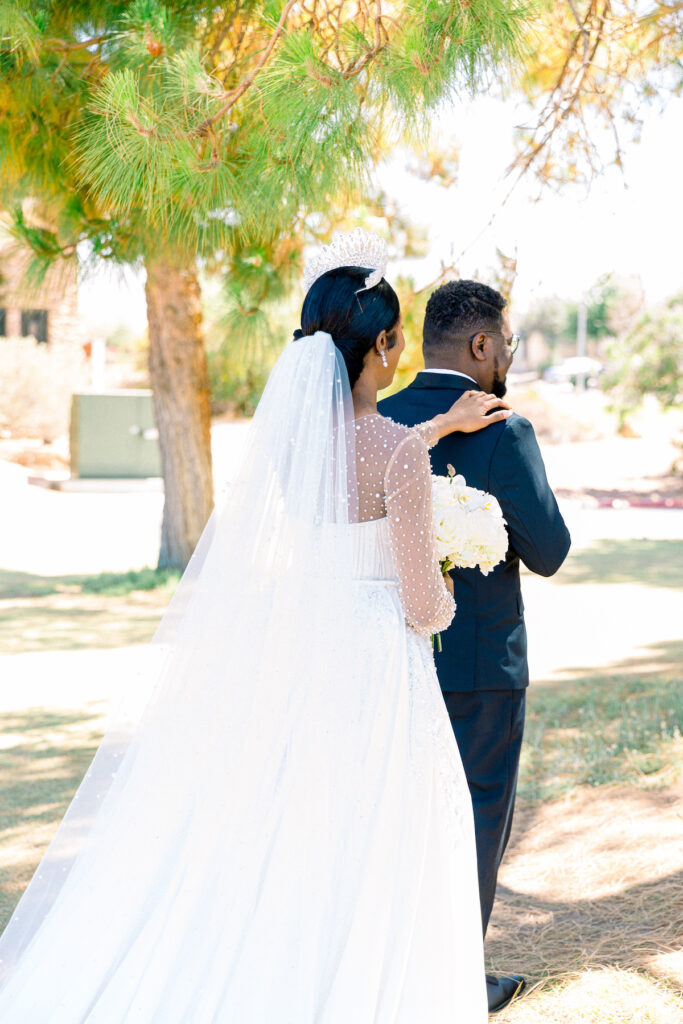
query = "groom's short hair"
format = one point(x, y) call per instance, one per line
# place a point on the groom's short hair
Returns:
point(457, 310)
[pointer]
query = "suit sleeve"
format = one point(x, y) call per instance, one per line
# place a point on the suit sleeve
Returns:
point(537, 531)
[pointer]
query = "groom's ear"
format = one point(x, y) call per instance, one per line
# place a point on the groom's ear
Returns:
point(480, 347)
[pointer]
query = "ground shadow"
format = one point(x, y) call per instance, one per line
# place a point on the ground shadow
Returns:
point(651, 563)
point(538, 937)
point(660, 660)
point(619, 725)
point(46, 754)
point(118, 622)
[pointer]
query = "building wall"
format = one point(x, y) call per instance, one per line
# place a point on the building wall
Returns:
point(58, 296)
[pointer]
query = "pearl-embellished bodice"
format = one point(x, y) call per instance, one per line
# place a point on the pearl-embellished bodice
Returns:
point(394, 537)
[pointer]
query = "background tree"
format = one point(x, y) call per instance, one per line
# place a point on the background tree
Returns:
point(591, 66)
point(158, 132)
point(648, 360)
point(600, 300)
point(548, 316)
point(613, 304)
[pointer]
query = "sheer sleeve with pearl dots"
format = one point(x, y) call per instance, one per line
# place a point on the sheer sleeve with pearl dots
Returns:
point(427, 432)
point(394, 481)
point(427, 603)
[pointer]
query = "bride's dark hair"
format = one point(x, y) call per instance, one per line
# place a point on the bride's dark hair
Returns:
point(352, 317)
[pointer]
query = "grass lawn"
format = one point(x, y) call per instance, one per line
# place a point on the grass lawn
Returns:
point(590, 904)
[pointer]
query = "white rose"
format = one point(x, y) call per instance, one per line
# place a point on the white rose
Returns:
point(469, 525)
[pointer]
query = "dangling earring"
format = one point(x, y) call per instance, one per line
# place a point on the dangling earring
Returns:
point(383, 357)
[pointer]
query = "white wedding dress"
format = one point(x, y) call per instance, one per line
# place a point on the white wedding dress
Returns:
point(284, 834)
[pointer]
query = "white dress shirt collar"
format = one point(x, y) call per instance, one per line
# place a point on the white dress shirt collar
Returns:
point(434, 369)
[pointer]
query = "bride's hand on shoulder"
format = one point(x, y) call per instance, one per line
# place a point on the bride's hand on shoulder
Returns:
point(474, 411)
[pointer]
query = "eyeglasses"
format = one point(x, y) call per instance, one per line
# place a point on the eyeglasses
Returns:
point(512, 342)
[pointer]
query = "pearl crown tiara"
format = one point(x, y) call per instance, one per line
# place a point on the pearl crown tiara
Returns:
point(356, 248)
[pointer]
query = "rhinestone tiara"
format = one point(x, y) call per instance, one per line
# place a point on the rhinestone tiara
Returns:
point(355, 248)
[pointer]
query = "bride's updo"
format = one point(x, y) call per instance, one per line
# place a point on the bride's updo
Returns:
point(354, 318)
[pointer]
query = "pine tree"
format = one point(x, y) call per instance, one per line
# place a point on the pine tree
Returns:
point(161, 133)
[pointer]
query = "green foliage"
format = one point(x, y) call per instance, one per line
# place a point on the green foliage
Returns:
point(20, 586)
point(556, 319)
point(550, 317)
point(236, 380)
point(602, 298)
point(249, 316)
point(218, 129)
point(20, 27)
point(200, 123)
point(115, 584)
point(648, 360)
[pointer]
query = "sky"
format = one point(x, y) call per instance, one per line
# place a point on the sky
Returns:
point(629, 224)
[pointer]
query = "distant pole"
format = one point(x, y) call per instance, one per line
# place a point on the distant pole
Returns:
point(581, 343)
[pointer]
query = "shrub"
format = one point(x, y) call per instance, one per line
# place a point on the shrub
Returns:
point(648, 361)
point(36, 385)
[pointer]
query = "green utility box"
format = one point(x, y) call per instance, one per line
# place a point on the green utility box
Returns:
point(113, 435)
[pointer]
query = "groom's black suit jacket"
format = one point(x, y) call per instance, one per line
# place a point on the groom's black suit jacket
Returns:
point(485, 648)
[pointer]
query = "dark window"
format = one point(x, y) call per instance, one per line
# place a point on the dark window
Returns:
point(34, 322)
point(3, 323)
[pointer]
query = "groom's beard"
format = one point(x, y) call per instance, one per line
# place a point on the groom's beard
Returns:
point(499, 388)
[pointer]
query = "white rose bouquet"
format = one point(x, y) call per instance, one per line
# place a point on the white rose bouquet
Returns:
point(469, 526)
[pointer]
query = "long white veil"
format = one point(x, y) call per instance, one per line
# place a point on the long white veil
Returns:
point(254, 639)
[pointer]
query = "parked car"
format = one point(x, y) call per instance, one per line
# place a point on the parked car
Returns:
point(573, 367)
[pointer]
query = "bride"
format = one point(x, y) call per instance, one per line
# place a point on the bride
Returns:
point(282, 833)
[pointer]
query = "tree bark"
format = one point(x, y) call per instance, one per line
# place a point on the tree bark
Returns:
point(180, 385)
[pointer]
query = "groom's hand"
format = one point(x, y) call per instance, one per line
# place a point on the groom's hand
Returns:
point(474, 411)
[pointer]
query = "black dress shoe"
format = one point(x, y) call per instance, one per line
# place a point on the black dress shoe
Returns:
point(501, 991)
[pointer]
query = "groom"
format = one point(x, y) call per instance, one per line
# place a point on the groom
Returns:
point(483, 668)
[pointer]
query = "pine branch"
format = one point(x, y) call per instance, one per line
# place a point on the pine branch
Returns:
point(283, 116)
point(63, 45)
point(235, 94)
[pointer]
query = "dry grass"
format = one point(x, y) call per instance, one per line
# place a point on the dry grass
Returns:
point(604, 996)
point(590, 903)
point(594, 878)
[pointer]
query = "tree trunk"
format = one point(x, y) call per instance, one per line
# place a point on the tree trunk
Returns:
point(180, 384)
